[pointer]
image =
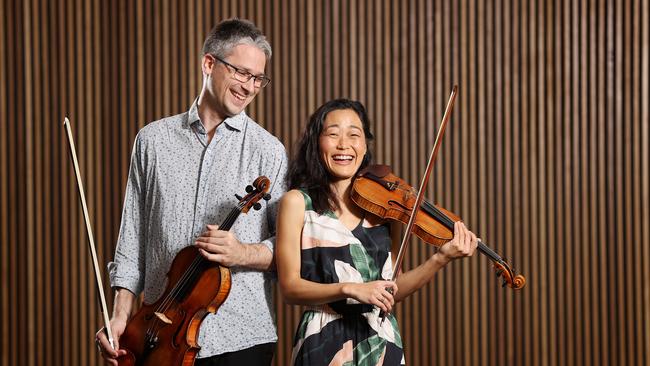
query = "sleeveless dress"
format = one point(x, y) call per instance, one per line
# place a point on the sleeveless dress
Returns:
point(345, 332)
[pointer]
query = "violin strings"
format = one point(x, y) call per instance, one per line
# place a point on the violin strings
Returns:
point(447, 221)
point(180, 286)
point(191, 271)
point(440, 216)
point(226, 224)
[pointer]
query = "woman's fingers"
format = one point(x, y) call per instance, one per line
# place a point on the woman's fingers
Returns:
point(377, 293)
point(474, 243)
point(380, 293)
point(463, 244)
point(462, 232)
point(386, 295)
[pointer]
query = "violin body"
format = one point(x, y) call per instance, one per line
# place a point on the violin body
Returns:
point(160, 338)
point(396, 203)
point(377, 190)
point(165, 333)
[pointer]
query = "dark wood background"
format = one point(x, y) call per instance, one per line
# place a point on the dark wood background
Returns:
point(546, 156)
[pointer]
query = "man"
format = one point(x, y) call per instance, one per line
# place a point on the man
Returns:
point(185, 171)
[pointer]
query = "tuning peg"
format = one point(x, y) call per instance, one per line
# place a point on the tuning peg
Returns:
point(249, 188)
point(267, 197)
point(239, 198)
point(499, 273)
point(257, 206)
point(504, 283)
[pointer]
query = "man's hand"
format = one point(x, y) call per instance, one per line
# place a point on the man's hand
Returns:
point(222, 247)
point(122, 306)
point(109, 354)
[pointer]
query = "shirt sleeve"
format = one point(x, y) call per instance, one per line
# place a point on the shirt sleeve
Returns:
point(128, 267)
point(276, 169)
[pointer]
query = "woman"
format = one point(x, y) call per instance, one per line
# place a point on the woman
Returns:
point(334, 257)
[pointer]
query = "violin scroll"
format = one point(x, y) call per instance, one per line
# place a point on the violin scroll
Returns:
point(513, 281)
point(256, 191)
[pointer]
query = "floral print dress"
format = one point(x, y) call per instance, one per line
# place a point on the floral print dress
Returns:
point(345, 332)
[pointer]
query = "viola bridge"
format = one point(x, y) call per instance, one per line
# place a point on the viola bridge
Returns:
point(163, 318)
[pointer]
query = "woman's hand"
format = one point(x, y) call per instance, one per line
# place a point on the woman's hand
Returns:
point(375, 293)
point(463, 244)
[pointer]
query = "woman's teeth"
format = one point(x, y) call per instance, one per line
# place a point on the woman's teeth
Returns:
point(342, 157)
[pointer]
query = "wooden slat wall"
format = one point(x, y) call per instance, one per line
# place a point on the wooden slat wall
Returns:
point(546, 157)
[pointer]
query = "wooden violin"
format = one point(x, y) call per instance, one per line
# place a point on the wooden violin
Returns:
point(166, 332)
point(377, 190)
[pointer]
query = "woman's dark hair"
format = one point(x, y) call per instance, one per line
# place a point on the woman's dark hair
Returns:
point(306, 169)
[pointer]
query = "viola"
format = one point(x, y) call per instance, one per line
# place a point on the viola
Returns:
point(166, 332)
point(377, 190)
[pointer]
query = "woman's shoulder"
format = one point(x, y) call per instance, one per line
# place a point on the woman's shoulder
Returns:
point(294, 198)
point(292, 207)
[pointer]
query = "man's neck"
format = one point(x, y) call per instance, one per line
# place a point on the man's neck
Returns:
point(210, 118)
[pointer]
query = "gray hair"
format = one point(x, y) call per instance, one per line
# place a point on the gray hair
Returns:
point(232, 32)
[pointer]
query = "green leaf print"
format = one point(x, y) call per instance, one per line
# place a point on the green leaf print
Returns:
point(398, 337)
point(363, 262)
point(368, 352)
point(302, 328)
point(330, 214)
point(308, 204)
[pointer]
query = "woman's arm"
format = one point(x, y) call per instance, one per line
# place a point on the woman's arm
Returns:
point(463, 244)
point(296, 290)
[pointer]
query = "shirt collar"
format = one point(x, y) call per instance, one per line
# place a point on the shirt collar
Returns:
point(235, 122)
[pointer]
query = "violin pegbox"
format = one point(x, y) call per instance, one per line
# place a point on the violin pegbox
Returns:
point(255, 192)
point(513, 281)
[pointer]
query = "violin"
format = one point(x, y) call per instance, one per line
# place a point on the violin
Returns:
point(378, 191)
point(166, 332)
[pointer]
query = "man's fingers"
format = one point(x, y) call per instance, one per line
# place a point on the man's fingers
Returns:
point(117, 346)
point(206, 254)
point(222, 238)
point(105, 349)
point(214, 257)
point(211, 248)
point(213, 237)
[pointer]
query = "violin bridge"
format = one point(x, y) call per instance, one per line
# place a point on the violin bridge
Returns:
point(163, 318)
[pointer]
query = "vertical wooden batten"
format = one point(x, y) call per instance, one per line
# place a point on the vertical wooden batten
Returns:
point(546, 157)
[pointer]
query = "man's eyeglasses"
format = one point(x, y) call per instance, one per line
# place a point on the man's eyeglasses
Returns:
point(241, 75)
